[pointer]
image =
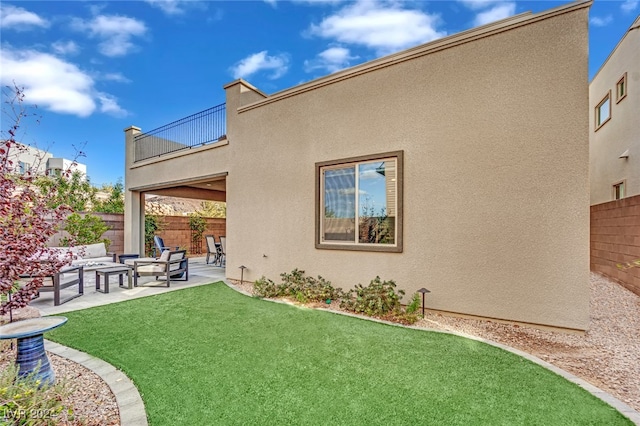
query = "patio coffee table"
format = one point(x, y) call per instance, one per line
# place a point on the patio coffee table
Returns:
point(119, 270)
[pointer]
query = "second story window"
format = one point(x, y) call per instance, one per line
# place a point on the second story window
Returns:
point(621, 88)
point(618, 191)
point(603, 111)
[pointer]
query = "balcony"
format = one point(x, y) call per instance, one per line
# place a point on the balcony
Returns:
point(202, 128)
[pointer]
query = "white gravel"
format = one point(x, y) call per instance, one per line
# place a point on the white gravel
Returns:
point(607, 355)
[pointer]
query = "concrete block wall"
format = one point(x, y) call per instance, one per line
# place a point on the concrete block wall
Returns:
point(175, 232)
point(115, 234)
point(615, 241)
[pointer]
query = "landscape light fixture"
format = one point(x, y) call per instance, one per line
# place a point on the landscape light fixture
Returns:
point(423, 291)
point(242, 268)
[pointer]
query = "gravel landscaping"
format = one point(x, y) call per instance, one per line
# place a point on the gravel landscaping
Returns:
point(608, 355)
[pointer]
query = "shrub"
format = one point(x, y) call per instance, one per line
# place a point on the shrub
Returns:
point(298, 286)
point(380, 299)
point(24, 402)
point(85, 230)
point(265, 288)
point(308, 289)
point(152, 225)
point(376, 299)
point(198, 225)
point(414, 304)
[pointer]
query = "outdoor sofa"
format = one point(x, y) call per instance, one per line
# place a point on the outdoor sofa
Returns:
point(87, 254)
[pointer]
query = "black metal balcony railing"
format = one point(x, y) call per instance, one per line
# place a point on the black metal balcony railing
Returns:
point(199, 129)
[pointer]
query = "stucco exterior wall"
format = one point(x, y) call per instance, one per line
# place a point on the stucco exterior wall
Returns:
point(493, 127)
point(494, 134)
point(622, 132)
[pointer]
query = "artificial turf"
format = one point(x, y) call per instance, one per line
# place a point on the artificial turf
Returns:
point(208, 355)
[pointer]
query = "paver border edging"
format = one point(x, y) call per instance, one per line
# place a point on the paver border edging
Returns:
point(622, 407)
point(128, 399)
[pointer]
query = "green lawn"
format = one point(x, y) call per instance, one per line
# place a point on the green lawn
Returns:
point(208, 355)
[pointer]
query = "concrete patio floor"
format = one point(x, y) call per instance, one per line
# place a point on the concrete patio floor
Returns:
point(199, 273)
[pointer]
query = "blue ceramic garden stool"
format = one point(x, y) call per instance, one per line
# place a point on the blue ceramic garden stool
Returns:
point(31, 353)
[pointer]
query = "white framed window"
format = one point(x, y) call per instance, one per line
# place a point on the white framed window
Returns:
point(618, 190)
point(359, 203)
point(621, 88)
point(603, 111)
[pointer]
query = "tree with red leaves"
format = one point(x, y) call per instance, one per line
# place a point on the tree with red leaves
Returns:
point(27, 220)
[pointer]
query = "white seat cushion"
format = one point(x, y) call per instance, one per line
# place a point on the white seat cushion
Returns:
point(151, 269)
point(94, 250)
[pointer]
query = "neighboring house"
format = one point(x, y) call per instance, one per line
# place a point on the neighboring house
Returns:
point(41, 162)
point(614, 127)
point(460, 165)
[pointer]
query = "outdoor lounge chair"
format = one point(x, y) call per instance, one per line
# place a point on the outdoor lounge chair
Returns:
point(213, 249)
point(57, 282)
point(222, 259)
point(160, 247)
point(171, 264)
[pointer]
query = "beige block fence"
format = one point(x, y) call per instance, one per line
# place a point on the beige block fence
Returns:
point(175, 232)
point(615, 241)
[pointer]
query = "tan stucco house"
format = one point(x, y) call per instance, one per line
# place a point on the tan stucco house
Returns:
point(460, 165)
point(614, 128)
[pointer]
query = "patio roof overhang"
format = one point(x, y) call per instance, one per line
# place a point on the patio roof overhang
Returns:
point(212, 187)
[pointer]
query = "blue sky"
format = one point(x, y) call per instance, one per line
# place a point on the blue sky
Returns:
point(95, 68)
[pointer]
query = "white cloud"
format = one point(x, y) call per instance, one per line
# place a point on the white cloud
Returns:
point(115, 32)
point(278, 65)
point(385, 28)
point(170, 7)
point(479, 4)
point(65, 48)
point(54, 84)
point(629, 5)
point(117, 77)
point(19, 18)
point(496, 13)
point(601, 22)
point(180, 7)
point(333, 59)
point(109, 105)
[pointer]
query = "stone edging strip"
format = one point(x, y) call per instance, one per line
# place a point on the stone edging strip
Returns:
point(623, 408)
point(130, 405)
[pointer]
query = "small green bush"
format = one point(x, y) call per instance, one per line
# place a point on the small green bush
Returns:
point(85, 230)
point(152, 225)
point(265, 288)
point(376, 299)
point(380, 299)
point(24, 402)
point(297, 286)
point(414, 305)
